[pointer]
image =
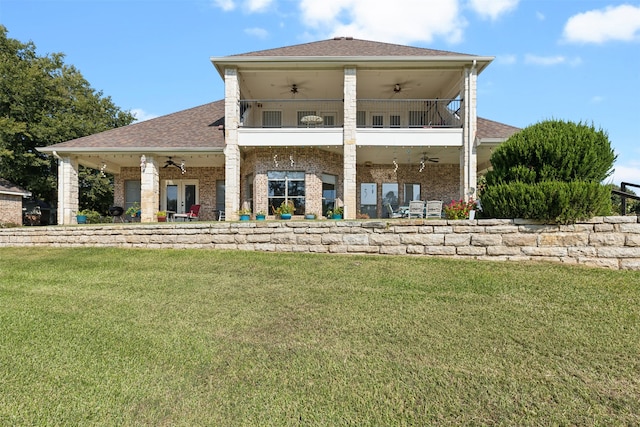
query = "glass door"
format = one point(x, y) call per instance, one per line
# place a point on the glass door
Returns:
point(179, 195)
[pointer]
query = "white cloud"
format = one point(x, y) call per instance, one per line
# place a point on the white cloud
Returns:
point(507, 59)
point(382, 20)
point(551, 60)
point(597, 99)
point(261, 33)
point(626, 173)
point(258, 5)
point(225, 5)
point(142, 115)
point(620, 23)
point(492, 9)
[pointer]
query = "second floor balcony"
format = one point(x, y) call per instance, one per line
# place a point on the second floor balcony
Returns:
point(370, 113)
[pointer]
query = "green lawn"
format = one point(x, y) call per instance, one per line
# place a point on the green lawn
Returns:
point(185, 338)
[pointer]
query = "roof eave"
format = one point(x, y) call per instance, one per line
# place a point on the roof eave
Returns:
point(220, 62)
point(80, 150)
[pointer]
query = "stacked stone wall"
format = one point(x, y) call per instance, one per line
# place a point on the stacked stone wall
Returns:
point(608, 242)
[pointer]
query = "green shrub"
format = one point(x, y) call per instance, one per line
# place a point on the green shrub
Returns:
point(550, 201)
point(553, 150)
point(551, 171)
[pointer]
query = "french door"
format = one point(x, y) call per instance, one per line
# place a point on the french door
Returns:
point(179, 194)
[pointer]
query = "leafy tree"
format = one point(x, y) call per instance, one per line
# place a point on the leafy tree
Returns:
point(552, 171)
point(44, 102)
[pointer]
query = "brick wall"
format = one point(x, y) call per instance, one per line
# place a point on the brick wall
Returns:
point(10, 209)
point(608, 242)
point(437, 181)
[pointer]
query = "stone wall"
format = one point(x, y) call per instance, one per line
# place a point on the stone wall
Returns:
point(609, 242)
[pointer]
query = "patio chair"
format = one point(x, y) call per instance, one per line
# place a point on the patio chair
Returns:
point(416, 208)
point(191, 215)
point(434, 209)
point(392, 214)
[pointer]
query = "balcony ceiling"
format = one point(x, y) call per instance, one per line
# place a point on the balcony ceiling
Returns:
point(371, 84)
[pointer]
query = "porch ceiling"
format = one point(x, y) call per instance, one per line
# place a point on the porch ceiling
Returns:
point(371, 84)
point(115, 161)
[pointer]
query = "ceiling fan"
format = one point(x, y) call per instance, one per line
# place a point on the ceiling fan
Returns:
point(180, 166)
point(424, 159)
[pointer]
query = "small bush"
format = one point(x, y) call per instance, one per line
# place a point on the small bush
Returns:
point(550, 201)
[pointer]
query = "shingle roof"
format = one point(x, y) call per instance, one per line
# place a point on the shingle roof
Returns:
point(348, 46)
point(192, 128)
point(490, 129)
point(7, 187)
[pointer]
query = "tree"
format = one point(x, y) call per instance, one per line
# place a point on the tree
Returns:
point(552, 171)
point(44, 102)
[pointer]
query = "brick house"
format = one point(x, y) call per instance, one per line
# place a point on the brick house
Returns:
point(11, 202)
point(342, 121)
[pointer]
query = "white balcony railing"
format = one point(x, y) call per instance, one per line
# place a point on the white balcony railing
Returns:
point(371, 113)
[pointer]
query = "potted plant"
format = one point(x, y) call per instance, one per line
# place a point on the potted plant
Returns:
point(134, 210)
point(261, 215)
point(162, 216)
point(81, 216)
point(329, 214)
point(337, 212)
point(245, 214)
point(285, 209)
point(310, 216)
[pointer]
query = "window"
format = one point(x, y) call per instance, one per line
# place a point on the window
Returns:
point(272, 119)
point(328, 119)
point(220, 194)
point(328, 192)
point(131, 193)
point(390, 195)
point(248, 195)
point(369, 199)
point(286, 186)
point(411, 192)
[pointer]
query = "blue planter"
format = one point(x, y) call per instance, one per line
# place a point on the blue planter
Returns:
point(285, 216)
point(337, 216)
point(245, 217)
point(260, 217)
point(82, 219)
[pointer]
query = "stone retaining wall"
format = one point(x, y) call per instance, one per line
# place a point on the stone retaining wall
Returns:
point(610, 242)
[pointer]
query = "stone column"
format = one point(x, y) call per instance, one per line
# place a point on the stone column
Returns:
point(468, 157)
point(68, 192)
point(349, 141)
point(149, 189)
point(231, 150)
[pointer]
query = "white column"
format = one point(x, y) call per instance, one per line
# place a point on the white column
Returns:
point(149, 189)
point(231, 150)
point(68, 192)
point(349, 144)
point(468, 156)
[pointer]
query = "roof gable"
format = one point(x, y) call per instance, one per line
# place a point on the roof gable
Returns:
point(348, 47)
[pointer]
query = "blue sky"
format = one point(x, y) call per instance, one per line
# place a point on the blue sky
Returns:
point(574, 60)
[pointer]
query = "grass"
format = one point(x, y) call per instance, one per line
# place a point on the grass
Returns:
point(163, 337)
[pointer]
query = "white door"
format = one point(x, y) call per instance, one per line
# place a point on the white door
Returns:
point(179, 194)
